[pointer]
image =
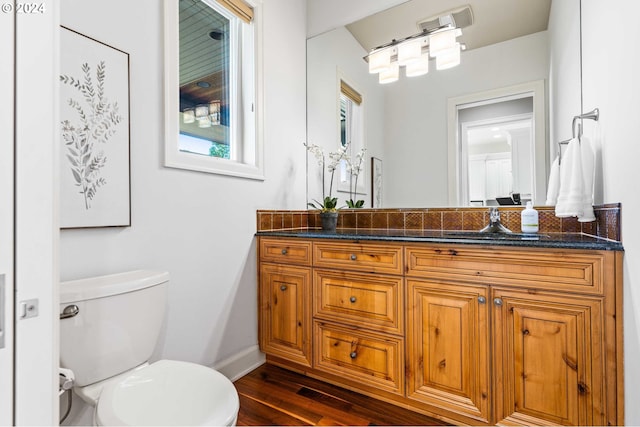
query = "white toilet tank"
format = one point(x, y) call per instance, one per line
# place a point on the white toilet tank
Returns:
point(117, 325)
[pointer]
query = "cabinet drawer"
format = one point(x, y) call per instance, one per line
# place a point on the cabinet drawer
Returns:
point(579, 271)
point(363, 300)
point(355, 256)
point(369, 359)
point(285, 251)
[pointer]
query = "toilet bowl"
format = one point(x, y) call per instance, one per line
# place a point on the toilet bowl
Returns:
point(108, 342)
point(169, 392)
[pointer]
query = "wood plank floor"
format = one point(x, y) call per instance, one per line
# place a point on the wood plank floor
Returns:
point(274, 396)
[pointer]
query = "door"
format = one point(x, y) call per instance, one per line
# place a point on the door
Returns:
point(35, 243)
point(285, 295)
point(448, 344)
point(549, 359)
point(7, 47)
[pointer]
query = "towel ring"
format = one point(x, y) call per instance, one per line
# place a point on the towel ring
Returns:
point(591, 115)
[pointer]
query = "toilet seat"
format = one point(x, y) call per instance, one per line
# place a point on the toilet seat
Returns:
point(169, 392)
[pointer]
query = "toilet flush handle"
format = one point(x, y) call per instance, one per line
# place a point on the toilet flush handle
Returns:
point(69, 311)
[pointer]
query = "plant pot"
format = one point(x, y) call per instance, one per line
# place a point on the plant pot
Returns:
point(329, 220)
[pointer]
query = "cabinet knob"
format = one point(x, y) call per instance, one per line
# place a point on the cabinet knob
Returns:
point(497, 301)
point(284, 252)
point(353, 355)
point(352, 299)
point(482, 300)
point(353, 257)
point(283, 287)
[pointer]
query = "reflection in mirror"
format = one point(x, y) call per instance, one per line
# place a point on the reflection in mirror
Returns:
point(329, 71)
point(413, 112)
point(496, 142)
point(351, 137)
point(497, 152)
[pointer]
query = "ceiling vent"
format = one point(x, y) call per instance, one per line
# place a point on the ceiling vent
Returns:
point(459, 18)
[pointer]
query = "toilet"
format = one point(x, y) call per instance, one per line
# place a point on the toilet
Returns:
point(109, 326)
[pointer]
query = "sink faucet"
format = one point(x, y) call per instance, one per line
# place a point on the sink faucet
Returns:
point(494, 223)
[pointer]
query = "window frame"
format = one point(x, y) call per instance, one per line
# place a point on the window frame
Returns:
point(355, 95)
point(250, 149)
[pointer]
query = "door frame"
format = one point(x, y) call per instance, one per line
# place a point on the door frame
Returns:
point(7, 52)
point(536, 89)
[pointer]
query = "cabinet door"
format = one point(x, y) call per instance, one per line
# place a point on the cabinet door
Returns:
point(549, 360)
point(448, 344)
point(285, 312)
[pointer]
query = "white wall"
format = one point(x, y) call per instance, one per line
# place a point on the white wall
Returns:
point(564, 70)
point(197, 226)
point(415, 168)
point(611, 83)
point(333, 56)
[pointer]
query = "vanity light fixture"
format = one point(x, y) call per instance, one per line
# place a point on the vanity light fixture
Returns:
point(448, 58)
point(413, 52)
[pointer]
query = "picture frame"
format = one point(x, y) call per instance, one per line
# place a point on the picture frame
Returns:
point(376, 182)
point(95, 169)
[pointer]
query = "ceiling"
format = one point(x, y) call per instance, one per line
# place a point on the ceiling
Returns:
point(203, 52)
point(494, 21)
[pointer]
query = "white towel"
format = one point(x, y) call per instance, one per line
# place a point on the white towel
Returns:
point(575, 196)
point(570, 195)
point(554, 183)
point(588, 171)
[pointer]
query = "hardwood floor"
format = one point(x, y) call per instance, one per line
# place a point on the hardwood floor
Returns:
point(274, 396)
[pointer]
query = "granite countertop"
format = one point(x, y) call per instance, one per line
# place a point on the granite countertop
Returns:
point(538, 240)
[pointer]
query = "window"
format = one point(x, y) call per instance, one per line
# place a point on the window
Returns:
point(212, 98)
point(352, 136)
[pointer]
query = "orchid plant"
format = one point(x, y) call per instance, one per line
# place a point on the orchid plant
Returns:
point(329, 203)
point(354, 167)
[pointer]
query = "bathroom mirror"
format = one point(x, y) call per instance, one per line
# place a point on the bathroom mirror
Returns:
point(406, 122)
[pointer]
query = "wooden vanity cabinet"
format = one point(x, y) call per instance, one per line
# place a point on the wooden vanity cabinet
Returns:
point(285, 299)
point(477, 335)
point(545, 323)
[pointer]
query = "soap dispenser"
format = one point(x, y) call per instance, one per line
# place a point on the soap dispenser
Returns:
point(529, 219)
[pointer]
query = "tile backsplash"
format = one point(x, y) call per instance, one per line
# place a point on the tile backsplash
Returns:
point(607, 222)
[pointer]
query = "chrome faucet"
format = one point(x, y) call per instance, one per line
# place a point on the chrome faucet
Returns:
point(494, 223)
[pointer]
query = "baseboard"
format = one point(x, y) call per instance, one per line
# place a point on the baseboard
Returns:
point(241, 363)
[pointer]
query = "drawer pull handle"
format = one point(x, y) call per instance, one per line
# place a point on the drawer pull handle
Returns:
point(283, 287)
point(284, 252)
point(353, 257)
point(352, 299)
point(482, 300)
point(69, 311)
point(353, 355)
point(497, 301)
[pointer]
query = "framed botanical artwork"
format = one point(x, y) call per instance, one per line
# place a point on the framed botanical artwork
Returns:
point(95, 186)
point(376, 182)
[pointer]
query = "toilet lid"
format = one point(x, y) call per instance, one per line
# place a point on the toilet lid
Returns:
point(169, 392)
